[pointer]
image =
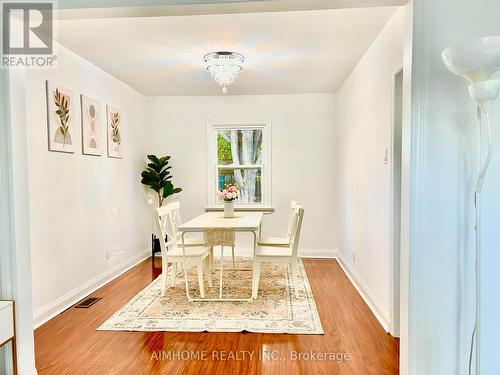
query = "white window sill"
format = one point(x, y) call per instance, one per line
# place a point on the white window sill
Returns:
point(265, 210)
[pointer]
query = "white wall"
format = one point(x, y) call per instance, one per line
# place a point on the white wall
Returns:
point(82, 206)
point(302, 154)
point(442, 249)
point(363, 179)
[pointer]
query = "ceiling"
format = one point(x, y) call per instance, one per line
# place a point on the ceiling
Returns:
point(286, 52)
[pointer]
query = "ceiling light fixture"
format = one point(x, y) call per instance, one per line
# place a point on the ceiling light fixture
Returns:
point(224, 66)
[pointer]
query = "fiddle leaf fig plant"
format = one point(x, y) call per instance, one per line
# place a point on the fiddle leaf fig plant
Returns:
point(157, 176)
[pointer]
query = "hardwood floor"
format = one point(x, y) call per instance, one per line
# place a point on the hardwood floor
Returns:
point(70, 344)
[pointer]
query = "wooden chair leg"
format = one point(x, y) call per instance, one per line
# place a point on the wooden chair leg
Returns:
point(255, 279)
point(199, 267)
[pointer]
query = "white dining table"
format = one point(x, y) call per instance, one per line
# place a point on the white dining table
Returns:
point(249, 222)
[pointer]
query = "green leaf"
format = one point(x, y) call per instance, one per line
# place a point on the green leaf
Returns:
point(154, 159)
point(164, 160)
point(152, 171)
point(155, 167)
point(157, 176)
point(168, 189)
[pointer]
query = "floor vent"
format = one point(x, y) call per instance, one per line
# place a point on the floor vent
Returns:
point(87, 302)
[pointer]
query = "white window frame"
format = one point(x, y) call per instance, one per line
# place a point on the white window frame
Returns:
point(212, 128)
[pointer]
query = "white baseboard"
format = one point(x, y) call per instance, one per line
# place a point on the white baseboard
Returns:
point(365, 292)
point(318, 253)
point(56, 307)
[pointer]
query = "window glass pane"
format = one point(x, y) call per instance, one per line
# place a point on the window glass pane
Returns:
point(248, 182)
point(240, 147)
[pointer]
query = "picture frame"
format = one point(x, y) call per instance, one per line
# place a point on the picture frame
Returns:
point(114, 120)
point(60, 118)
point(91, 120)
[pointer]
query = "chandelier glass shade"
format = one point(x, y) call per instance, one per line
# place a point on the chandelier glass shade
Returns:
point(224, 66)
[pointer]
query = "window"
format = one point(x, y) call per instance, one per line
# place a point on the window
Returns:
point(240, 154)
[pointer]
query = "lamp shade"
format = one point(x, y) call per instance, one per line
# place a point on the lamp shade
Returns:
point(476, 60)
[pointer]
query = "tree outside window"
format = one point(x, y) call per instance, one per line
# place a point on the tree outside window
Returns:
point(239, 161)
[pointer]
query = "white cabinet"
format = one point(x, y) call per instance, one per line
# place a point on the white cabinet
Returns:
point(6, 321)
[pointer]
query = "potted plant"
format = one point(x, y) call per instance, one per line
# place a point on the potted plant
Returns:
point(157, 176)
point(228, 195)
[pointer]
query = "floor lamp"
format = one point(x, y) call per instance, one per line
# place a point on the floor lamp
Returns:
point(477, 61)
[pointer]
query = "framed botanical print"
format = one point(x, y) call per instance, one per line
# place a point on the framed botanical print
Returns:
point(91, 126)
point(115, 132)
point(60, 118)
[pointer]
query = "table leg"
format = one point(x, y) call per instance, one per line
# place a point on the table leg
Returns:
point(255, 277)
point(184, 263)
point(220, 299)
point(221, 270)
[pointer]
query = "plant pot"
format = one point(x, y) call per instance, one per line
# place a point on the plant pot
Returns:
point(155, 245)
point(228, 209)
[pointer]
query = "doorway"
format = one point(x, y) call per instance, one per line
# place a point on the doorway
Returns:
point(396, 169)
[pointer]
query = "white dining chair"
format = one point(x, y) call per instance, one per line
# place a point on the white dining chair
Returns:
point(281, 255)
point(172, 251)
point(281, 241)
point(190, 240)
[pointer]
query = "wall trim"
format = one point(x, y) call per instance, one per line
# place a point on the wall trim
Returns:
point(365, 292)
point(318, 253)
point(47, 312)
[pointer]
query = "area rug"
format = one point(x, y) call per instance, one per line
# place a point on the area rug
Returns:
point(276, 310)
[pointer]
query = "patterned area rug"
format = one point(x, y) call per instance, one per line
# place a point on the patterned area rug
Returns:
point(276, 310)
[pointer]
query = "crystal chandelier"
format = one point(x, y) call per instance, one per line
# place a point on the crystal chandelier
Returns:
point(224, 67)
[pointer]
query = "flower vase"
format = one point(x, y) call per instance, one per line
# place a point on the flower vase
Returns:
point(229, 209)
